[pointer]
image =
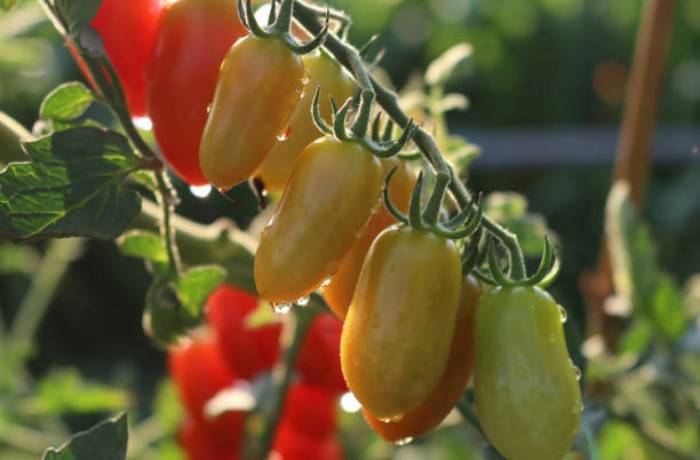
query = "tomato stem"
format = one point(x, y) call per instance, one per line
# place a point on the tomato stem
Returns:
point(293, 334)
point(349, 57)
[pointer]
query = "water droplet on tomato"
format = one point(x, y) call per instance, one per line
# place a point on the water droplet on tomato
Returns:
point(396, 418)
point(281, 308)
point(302, 301)
point(202, 191)
point(563, 314)
point(404, 441)
point(284, 135)
point(577, 373)
point(327, 281)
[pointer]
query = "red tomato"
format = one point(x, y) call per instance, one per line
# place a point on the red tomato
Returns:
point(192, 39)
point(198, 444)
point(247, 351)
point(128, 28)
point(310, 410)
point(200, 372)
point(319, 359)
point(293, 445)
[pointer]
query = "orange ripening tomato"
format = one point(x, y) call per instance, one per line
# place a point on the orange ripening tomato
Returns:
point(260, 84)
point(191, 41)
point(329, 199)
point(460, 364)
point(398, 331)
point(321, 71)
point(339, 292)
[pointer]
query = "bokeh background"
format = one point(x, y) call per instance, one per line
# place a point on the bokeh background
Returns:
point(545, 83)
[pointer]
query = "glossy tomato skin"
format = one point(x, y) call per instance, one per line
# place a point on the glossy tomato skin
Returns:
point(198, 444)
point(248, 351)
point(527, 396)
point(128, 29)
point(397, 334)
point(319, 359)
point(259, 85)
point(330, 196)
point(443, 399)
point(321, 71)
point(192, 39)
point(339, 292)
point(200, 372)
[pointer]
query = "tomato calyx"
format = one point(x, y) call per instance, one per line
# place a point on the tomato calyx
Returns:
point(545, 274)
point(280, 24)
point(464, 224)
point(379, 147)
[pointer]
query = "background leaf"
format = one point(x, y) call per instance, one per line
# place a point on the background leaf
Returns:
point(73, 187)
point(105, 441)
point(67, 102)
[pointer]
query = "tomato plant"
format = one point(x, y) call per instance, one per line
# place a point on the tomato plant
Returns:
point(192, 39)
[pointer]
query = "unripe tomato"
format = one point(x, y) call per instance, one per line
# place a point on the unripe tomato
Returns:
point(192, 39)
point(339, 292)
point(310, 410)
point(198, 444)
point(248, 351)
point(527, 397)
point(200, 372)
point(328, 201)
point(397, 335)
point(293, 445)
point(259, 85)
point(319, 359)
point(459, 368)
point(128, 29)
point(323, 71)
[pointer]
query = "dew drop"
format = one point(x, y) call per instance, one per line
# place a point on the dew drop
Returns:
point(396, 418)
point(327, 281)
point(563, 314)
point(202, 191)
point(404, 441)
point(223, 190)
point(281, 308)
point(577, 373)
point(302, 301)
point(284, 135)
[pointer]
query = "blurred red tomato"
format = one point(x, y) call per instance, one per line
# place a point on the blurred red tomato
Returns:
point(319, 360)
point(248, 352)
point(192, 39)
point(310, 410)
point(198, 444)
point(291, 444)
point(200, 372)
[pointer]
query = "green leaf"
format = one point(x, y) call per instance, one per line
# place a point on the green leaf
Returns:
point(65, 392)
point(105, 441)
point(649, 291)
point(78, 13)
point(67, 102)
point(75, 186)
point(143, 244)
point(461, 153)
point(194, 287)
point(448, 65)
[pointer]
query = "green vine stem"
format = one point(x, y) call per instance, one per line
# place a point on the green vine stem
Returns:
point(293, 333)
point(59, 255)
point(308, 16)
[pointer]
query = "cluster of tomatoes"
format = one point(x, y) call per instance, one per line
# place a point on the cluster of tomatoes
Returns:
point(227, 106)
point(232, 354)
